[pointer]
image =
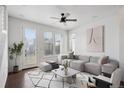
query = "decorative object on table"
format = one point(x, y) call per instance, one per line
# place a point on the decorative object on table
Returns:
point(14, 52)
point(66, 64)
point(95, 39)
point(91, 85)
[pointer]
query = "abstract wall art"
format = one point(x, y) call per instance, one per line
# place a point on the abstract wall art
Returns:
point(95, 39)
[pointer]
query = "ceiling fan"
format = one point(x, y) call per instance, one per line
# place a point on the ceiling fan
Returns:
point(64, 18)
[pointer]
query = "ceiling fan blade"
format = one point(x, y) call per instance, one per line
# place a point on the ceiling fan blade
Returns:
point(55, 22)
point(71, 19)
point(55, 18)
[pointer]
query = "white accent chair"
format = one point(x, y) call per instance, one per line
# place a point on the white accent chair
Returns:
point(113, 82)
point(116, 78)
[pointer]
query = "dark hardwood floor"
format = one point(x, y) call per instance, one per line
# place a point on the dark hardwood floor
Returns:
point(18, 80)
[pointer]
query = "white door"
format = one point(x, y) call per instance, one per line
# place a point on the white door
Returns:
point(30, 54)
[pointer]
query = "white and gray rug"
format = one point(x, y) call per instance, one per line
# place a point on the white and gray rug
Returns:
point(42, 79)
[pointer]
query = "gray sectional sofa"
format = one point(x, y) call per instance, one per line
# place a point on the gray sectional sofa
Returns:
point(91, 64)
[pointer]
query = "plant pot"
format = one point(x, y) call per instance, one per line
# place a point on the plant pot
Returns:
point(15, 69)
point(66, 71)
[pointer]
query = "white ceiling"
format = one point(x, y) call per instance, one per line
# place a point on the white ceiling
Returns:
point(42, 13)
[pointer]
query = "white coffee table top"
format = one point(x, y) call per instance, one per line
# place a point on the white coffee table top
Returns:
point(61, 72)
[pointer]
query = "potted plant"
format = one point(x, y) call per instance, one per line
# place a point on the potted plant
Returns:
point(66, 64)
point(14, 52)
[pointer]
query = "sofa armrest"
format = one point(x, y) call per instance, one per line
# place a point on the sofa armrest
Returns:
point(106, 74)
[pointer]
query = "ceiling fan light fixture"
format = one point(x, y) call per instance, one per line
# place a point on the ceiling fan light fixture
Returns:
point(64, 18)
point(62, 14)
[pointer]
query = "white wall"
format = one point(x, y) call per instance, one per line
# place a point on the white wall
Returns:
point(114, 38)
point(16, 34)
point(4, 64)
point(3, 46)
point(121, 40)
point(111, 38)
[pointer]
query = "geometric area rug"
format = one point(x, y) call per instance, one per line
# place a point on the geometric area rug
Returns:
point(40, 79)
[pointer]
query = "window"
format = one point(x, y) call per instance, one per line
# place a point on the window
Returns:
point(30, 41)
point(57, 43)
point(52, 43)
point(73, 40)
point(48, 37)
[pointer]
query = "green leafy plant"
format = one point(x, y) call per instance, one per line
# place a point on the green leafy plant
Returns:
point(15, 50)
point(66, 64)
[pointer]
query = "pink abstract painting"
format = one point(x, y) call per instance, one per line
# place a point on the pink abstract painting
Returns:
point(95, 39)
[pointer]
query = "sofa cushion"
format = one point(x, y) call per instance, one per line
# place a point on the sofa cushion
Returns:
point(92, 68)
point(94, 59)
point(77, 64)
point(84, 58)
point(114, 62)
point(108, 68)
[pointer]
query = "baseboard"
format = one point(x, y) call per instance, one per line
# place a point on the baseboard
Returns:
point(22, 70)
point(30, 68)
point(14, 72)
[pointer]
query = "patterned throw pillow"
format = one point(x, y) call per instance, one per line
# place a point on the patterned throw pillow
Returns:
point(70, 55)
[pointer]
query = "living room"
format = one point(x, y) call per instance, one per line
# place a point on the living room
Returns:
point(46, 35)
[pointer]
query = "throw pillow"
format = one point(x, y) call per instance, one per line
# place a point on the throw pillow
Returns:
point(70, 55)
point(94, 59)
point(76, 57)
point(103, 60)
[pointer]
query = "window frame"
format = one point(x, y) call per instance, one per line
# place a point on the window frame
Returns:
point(53, 42)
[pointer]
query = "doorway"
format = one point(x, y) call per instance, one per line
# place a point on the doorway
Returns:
point(30, 48)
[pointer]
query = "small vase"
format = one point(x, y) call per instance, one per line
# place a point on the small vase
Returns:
point(66, 71)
